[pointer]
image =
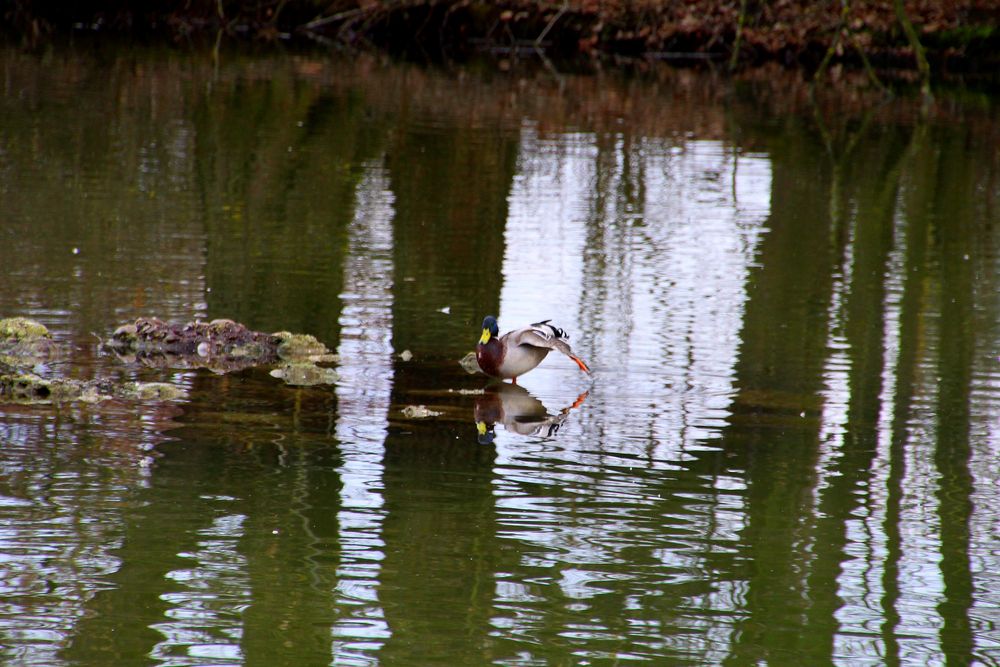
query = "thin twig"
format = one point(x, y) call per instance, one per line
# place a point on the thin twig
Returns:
point(552, 22)
point(339, 16)
point(845, 7)
point(872, 76)
point(844, 29)
point(274, 17)
point(923, 68)
point(734, 58)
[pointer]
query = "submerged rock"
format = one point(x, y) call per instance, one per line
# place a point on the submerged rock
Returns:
point(215, 338)
point(151, 391)
point(305, 374)
point(302, 347)
point(222, 346)
point(32, 388)
point(24, 342)
point(22, 329)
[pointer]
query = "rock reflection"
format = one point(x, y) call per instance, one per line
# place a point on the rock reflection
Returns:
point(518, 411)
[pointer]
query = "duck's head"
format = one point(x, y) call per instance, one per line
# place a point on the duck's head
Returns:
point(485, 433)
point(490, 329)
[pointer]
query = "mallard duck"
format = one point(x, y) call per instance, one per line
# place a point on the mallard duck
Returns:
point(518, 351)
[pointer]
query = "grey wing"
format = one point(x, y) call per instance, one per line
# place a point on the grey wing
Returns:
point(544, 335)
point(548, 336)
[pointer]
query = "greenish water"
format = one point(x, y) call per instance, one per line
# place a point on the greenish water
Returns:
point(788, 452)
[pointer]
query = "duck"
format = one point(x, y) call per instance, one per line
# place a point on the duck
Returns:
point(521, 350)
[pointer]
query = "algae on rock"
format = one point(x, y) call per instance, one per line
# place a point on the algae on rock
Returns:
point(222, 346)
point(24, 342)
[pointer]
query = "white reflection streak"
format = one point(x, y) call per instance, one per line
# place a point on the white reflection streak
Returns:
point(919, 578)
point(364, 393)
point(671, 293)
point(56, 549)
point(703, 218)
point(860, 582)
point(205, 621)
point(659, 298)
point(984, 463)
point(836, 395)
point(544, 245)
point(836, 370)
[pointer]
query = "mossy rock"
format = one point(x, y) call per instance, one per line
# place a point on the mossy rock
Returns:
point(294, 347)
point(150, 391)
point(21, 329)
point(31, 388)
point(470, 364)
point(305, 374)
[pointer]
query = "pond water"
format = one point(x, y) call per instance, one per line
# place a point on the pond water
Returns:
point(789, 450)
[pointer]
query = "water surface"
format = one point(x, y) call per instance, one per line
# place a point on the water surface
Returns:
point(788, 451)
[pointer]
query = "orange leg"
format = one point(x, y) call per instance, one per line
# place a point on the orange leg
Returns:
point(513, 380)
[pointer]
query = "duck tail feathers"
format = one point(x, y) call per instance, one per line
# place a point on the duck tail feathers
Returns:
point(556, 331)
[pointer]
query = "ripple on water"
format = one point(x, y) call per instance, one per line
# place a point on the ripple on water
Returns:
point(599, 531)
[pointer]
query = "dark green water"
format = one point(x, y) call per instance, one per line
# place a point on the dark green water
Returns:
point(789, 451)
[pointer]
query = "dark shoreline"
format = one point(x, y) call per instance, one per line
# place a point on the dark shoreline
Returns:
point(960, 38)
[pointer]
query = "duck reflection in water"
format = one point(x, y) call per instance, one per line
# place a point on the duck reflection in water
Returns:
point(518, 411)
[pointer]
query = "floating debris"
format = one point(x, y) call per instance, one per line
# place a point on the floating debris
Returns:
point(469, 363)
point(406, 355)
point(305, 374)
point(419, 412)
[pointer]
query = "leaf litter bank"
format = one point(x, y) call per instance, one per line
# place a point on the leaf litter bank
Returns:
point(958, 36)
